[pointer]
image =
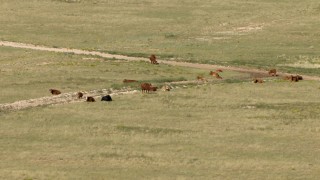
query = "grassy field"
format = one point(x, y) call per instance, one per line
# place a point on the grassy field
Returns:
point(215, 131)
point(29, 74)
point(262, 34)
point(224, 129)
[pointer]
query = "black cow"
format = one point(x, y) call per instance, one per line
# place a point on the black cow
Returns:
point(106, 98)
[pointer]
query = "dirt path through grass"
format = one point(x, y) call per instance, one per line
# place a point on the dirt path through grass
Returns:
point(71, 97)
point(61, 99)
point(256, 72)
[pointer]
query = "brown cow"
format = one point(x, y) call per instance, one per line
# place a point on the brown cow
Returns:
point(54, 91)
point(128, 81)
point(219, 70)
point(153, 59)
point(293, 78)
point(272, 72)
point(215, 74)
point(90, 99)
point(146, 87)
point(258, 80)
point(201, 78)
point(80, 95)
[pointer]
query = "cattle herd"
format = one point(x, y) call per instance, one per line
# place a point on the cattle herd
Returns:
point(273, 72)
point(147, 87)
point(80, 95)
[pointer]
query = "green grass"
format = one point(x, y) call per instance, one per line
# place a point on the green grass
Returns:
point(27, 74)
point(216, 131)
point(259, 34)
point(225, 129)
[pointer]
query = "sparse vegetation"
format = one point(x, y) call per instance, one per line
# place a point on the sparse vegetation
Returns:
point(243, 128)
point(229, 128)
point(233, 32)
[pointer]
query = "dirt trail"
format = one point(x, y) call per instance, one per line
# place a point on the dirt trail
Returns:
point(66, 50)
point(71, 97)
point(173, 63)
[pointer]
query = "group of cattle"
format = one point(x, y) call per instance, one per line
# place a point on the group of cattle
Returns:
point(147, 87)
point(273, 72)
point(211, 73)
point(80, 96)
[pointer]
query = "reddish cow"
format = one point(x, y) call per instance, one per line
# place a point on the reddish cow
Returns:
point(128, 81)
point(201, 78)
point(215, 74)
point(153, 59)
point(146, 87)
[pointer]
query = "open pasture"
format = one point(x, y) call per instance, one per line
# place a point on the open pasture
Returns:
point(261, 34)
point(223, 129)
point(214, 131)
point(27, 74)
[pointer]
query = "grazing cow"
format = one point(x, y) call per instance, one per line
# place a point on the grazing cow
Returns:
point(201, 78)
point(219, 70)
point(153, 59)
point(129, 81)
point(215, 74)
point(272, 72)
point(90, 99)
point(294, 78)
point(257, 80)
point(54, 91)
point(80, 95)
point(106, 98)
point(146, 87)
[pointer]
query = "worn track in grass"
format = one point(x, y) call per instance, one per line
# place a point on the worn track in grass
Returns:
point(255, 72)
point(71, 97)
point(61, 99)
